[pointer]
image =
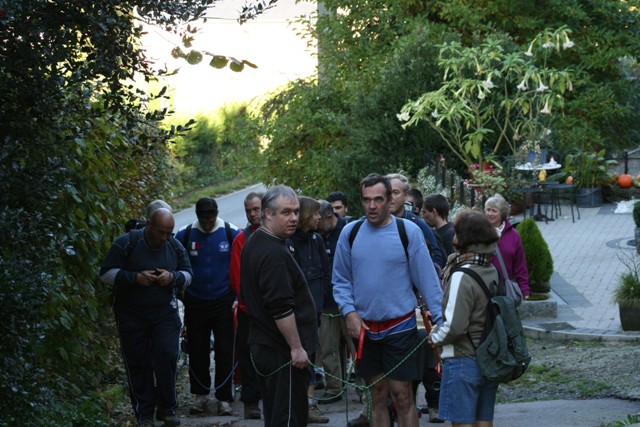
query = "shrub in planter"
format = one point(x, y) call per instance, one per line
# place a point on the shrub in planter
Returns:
point(627, 293)
point(536, 251)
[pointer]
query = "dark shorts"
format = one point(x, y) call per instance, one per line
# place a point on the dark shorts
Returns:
point(395, 355)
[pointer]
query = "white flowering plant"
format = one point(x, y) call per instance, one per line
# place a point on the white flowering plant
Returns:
point(492, 97)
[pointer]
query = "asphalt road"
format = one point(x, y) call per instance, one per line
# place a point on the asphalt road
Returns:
point(230, 209)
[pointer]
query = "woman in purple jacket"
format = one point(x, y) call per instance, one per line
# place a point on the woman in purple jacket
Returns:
point(510, 245)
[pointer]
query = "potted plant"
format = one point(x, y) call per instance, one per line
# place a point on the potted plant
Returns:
point(636, 220)
point(589, 171)
point(539, 260)
point(627, 293)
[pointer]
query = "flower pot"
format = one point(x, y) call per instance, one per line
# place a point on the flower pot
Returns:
point(589, 197)
point(516, 208)
point(629, 318)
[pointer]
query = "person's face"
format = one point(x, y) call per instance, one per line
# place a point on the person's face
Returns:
point(159, 230)
point(398, 197)
point(375, 204)
point(326, 225)
point(252, 210)
point(339, 208)
point(429, 216)
point(284, 219)
point(312, 225)
point(207, 221)
point(493, 215)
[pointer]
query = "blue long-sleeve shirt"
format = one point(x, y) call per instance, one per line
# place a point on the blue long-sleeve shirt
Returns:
point(375, 279)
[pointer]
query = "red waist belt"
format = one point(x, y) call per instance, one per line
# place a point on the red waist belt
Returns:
point(384, 325)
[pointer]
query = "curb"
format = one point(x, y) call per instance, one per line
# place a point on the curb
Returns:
point(564, 333)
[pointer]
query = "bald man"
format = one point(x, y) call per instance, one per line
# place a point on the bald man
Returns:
point(147, 268)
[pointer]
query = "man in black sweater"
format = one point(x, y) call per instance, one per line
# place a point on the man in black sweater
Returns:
point(282, 314)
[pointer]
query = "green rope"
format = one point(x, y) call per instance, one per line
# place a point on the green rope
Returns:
point(345, 383)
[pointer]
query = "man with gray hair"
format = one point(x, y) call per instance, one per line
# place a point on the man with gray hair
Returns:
point(146, 268)
point(282, 314)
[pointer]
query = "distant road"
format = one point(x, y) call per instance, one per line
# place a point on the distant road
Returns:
point(230, 207)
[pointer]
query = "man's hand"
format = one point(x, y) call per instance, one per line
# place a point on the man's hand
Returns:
point(146, 278)
point(354, 323)
point(299, 358)
point(164, 277)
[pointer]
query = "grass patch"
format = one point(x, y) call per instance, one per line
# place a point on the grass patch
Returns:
point(189, 198)
point(538, 297)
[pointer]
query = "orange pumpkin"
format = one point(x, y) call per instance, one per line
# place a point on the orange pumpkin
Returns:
point(625, 181)
point(569, 180)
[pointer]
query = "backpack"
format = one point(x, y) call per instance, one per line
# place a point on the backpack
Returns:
point(134, 224)
point(502, 355)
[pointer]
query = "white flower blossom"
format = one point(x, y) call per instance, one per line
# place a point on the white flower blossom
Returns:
point(542, 87)
point(570, 86)
point(568, 44)
point(488, 84)
point(404, 117)
point(435, 114)
point(548, 45)
point(481, 94)
point(529, 52)
point(523, 85)
point(546, 109)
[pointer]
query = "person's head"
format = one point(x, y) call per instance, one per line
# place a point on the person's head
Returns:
point(375, 195)
point(472, 228)
point(399, 190)
point(207, 213)
point(252, 208)
point(155, 205)
point(159, 227)
point(279, 211)
point(414, 198)
point(339, 202)
point(497, 209)
point(435, 210)
point(328, 219)
point(309, 213)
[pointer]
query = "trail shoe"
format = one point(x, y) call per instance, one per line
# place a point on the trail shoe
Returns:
point(433, 416)
point(315, 416)
point(201, 405)
point(252, 411)
point(169, 420)
point(361, 421)
point(224, 408)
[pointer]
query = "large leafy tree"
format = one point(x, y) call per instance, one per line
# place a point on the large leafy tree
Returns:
point(81, 150)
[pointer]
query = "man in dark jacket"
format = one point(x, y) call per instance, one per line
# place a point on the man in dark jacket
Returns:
point(147, 268)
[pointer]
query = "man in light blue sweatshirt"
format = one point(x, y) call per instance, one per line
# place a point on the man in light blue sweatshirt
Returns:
point(373, 284)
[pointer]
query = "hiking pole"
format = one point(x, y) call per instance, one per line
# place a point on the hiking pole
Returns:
point(358, 356)
point(426, 319)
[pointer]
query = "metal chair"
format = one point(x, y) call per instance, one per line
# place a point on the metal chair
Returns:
point(567, 193)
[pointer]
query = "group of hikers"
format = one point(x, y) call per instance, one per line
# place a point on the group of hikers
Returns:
point(301, 289)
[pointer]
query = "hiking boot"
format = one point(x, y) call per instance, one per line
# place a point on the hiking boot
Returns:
point(169, 420)
point(315, 416)
point(252, 411)
point(201, 405)
point(361, 421)
point(326, 398)
point(433, 416)
point(224, 408)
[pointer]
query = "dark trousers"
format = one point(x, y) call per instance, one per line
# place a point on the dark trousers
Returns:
point(284, 391)
point(150, 353)
point(201, 317)
point(427, 369)
point(248, 379)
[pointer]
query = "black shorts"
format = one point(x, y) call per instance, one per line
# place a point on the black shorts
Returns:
point(390, 355)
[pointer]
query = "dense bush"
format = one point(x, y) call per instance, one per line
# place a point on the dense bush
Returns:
point(539, 260)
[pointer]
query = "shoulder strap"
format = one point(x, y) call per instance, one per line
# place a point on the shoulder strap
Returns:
point(354, 231)
point(477, 278)
point(403, 236)
point(505, 275)
point(186, 235)
point(134, 237)
point(227, 228)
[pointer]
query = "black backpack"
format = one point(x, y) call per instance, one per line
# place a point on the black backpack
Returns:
point(503, 355)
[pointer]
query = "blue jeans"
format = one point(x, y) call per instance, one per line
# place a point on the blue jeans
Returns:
point(465, 396)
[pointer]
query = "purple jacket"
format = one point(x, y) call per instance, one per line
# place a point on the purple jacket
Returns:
point(512, 252)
